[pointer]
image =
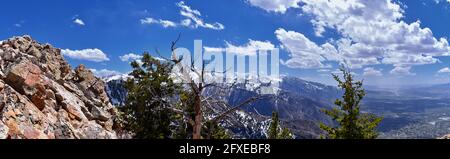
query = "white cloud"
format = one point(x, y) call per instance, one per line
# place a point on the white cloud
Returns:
point(103, 73)
point(303, 52)
point(339, 72)
point(79, 22)
point(130, 57)
point(188, 9)
point(371, 32)
point(192, 19)
point(95, 55)
point(19, 24)
point(247, 49)
point(138, 58)
point(280, 6)
point(186, 22)
point(164, 23)
point(370, 71)
point(323, 70)
point(402, 71)
point(444, 70)
point(159, 59)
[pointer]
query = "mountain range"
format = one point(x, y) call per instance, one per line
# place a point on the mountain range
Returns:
point(298, 103)
point(419, 112)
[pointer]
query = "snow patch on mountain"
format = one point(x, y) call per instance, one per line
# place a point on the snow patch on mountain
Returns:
point(115, 88)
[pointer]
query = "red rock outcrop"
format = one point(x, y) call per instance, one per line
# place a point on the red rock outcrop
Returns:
point(41, 97)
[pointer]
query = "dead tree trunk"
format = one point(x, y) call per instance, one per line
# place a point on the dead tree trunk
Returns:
point(197, 132)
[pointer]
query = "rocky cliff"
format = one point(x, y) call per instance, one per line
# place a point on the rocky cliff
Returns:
point(41, 97)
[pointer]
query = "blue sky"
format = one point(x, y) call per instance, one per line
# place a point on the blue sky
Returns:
point(385, 42)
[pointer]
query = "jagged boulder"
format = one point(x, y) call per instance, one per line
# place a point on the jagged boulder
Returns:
point(41, 97)
point(25, 77)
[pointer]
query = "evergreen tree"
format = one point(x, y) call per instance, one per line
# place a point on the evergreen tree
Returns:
point(146, 112)
point(186, 105)
point(275, 130)
point(215, 131)
point(352, 123)
point(285, 134)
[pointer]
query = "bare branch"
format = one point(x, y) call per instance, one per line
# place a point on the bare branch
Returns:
point(160, 56)
point(174, 43)
point(181, 112)
point(207, 99)
point(248, 101)
point(185, 75)
point(175, 110)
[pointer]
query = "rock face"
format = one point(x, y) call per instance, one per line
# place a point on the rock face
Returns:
point(41, 97)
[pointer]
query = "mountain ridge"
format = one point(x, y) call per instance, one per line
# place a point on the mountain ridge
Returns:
point(298, 111)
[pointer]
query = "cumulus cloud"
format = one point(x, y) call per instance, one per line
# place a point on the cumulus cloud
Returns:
point(138, 58)
point(371, 32)
point(402, 71)
point(103, 73)
point(280, 6)
point(249, 49)
point(444, 70)
point(79, 22)
point(95, 55)
point(130, 57)
point(192, 19)
point(303, 52)
point(370, 71)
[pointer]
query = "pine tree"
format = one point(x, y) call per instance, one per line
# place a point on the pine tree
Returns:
point(186, 105)
point(215, 131)
point(150, 90)
point(285, 134)
point(352, 123)
point(275, 130)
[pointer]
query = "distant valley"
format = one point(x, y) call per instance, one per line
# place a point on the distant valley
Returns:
point(421, 112)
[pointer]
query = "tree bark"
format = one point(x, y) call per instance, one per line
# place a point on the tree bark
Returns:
point(197, 132)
